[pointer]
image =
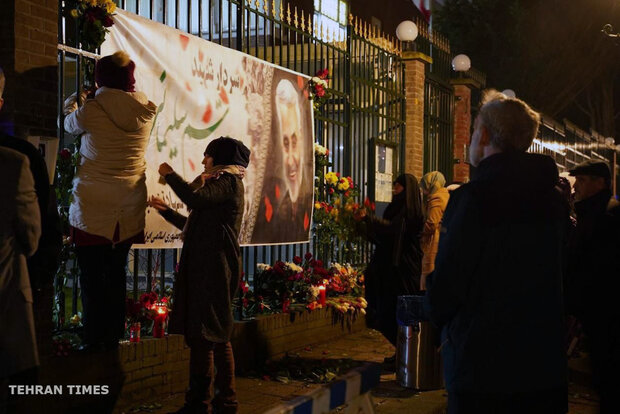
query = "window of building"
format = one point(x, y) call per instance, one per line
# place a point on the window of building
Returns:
point(333, 14)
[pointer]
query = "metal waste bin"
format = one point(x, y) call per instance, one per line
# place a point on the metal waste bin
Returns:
point(418, 361)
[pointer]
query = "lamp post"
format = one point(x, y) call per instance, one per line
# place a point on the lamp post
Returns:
point(406, 32)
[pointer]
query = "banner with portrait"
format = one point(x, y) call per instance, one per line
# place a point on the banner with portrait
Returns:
point(204, 91)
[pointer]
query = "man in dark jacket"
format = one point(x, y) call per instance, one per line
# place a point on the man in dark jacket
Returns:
point(593, 283)
point(43, 264)
point(497, 286)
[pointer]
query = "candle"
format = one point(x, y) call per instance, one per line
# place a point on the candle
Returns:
point(134, 332)
point(322, 295)
point(160, 317)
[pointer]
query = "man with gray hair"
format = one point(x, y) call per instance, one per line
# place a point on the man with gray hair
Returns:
point(497, 286)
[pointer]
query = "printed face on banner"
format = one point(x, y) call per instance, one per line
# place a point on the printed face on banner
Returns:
point(204, 91)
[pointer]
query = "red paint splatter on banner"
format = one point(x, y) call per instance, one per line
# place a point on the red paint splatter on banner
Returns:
point(277, 192)
point(191, 164)
point(268, 209)
point(306, 94)
point(241, 83)
point(200, 55)
point(206, 117)
point(300, 82)
point(223, 96)
point(306, 221)
point(187, 86)
point(184, 41)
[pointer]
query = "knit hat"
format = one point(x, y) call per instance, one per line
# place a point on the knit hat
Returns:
point(116, 71)
point(228, 151)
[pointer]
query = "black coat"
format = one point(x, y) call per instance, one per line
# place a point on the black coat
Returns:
point(594, 260)
point(210, 264)
point(497, 286)
point(395, 266)
point(42, 266)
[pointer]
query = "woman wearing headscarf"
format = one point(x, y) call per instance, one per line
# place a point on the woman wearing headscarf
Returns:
point(395, 265)
point(435, 199)
point(209, 270)
point(107, 212)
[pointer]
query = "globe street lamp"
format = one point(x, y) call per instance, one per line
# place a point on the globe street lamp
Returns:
point(461, 63)
point(406, 32)
point(509, 93)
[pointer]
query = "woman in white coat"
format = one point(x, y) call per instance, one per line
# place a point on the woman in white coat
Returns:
point(107, 213)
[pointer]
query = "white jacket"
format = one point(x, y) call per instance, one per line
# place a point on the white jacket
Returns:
point(109, 186)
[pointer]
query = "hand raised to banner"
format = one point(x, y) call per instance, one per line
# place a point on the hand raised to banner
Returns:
point(165, 169)
point(158, 204)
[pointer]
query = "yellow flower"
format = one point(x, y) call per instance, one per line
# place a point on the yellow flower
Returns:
point(317, 205)
point(110, 6)
point(331, 178)
point(343, 184)
point(337, 202)
point(334, 212)
point(74, 13)
point(92, 3)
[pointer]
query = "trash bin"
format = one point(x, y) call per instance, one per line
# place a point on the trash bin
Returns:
point(418, 362)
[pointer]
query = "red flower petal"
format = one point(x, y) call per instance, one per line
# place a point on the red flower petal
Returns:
point(268, 209)
point(206, 117)
point(184, 41)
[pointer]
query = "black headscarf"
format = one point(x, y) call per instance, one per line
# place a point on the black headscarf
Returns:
point(410, 199)
point(228, 151)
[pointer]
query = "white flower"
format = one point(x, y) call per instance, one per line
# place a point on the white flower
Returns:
point(263, 267)
point(319, 149)
point(294, 267)
point(314, 291)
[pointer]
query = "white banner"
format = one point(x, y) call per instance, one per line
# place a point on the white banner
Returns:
point(204, 91)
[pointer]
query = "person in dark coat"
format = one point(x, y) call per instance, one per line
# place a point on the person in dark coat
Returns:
point(496, 291)
point(396, 264)
point(42, 266)
point(209, 270)
point(593, 283)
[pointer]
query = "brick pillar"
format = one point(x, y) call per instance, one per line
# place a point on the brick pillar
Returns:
point(28, 55)
point(462, 126)
point(415, 65)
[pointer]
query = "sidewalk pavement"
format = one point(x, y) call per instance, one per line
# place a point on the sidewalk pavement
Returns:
point(257, 395)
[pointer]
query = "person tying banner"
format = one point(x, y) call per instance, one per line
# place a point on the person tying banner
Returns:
point(107, 212)
point(209, 270)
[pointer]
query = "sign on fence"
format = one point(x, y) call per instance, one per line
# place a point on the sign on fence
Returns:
point(204, 91)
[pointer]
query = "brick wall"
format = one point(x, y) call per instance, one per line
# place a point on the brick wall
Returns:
point(462, 128)
point(29, 36)
point(414, 119)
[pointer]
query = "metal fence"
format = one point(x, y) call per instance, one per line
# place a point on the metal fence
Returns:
point(569, 146)
point(438, 101)
point(366, 86)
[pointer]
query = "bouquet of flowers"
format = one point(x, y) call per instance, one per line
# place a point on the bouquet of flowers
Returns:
point(317, 88)
point(93, 17)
